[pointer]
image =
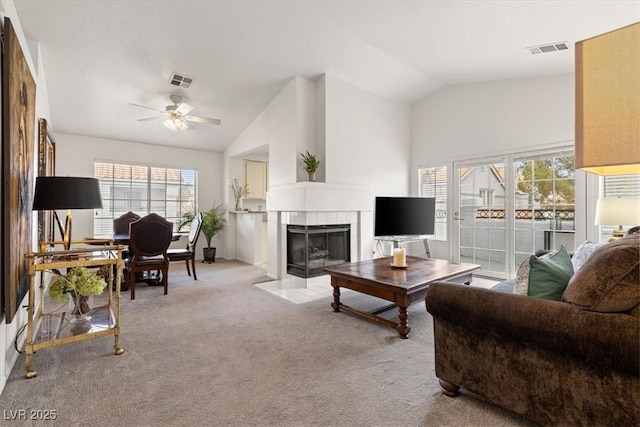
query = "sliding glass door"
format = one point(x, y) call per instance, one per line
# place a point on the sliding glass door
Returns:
point(544, 200)
point(506, 208)
point(479, 215)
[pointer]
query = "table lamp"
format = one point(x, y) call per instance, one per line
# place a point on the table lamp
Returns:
point(618, 211)
point(57, 192)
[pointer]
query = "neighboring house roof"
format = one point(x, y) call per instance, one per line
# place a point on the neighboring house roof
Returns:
point(498, 172)
point(464, 172)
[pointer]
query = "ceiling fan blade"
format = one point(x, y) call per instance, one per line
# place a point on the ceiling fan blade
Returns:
point(203, 120)
point(151, 118)
point(148, 108)
point(183, 109)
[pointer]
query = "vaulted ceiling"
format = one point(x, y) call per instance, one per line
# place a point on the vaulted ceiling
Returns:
point(101, 56)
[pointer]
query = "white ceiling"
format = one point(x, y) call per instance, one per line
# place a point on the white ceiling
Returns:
point(100, 56)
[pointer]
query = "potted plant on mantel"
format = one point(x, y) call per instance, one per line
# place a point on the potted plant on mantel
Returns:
point(213, 222)
point(310, 165)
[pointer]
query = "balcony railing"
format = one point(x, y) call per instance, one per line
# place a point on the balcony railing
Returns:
point(534, 214)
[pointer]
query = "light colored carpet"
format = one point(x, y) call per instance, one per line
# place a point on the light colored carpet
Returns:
point(222, 352)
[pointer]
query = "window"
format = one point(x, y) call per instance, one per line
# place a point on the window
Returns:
point(169, 192)
point(618, 186)
point(544, 202)
point(433, 183)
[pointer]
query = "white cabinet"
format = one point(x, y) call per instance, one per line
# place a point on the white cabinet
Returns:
point(256, 177)
point(251, 237)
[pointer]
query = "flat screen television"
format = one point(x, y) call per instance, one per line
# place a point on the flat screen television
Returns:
point(404, 216)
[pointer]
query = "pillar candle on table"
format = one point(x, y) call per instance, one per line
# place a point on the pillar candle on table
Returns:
point(400, 257)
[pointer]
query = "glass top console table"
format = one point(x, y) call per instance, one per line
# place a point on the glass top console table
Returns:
point(51, 323)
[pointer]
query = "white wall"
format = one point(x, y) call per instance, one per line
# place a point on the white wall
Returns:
point(480, 119)
point(359, 137)
point(367, 139)
point(283, 126)
point(275, 126)
point(75, 156)
point(321, 126)
point(8, 332)
point(306, 123)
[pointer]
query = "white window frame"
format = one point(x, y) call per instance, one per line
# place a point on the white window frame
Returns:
point(439, 191)
point(151, 185)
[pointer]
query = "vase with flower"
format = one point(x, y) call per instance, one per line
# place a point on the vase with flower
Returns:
point(239, 191)
point(78, 286)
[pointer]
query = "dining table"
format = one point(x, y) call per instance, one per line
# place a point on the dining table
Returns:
point(124, 239)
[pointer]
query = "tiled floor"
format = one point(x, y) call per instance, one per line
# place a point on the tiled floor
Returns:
point(293, 289)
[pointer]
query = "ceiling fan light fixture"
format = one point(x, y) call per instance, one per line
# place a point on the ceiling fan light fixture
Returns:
point(177, 116)
point(175, 124)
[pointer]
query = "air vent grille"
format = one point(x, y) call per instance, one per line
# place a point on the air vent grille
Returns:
point(180, 80)
point(546, 48)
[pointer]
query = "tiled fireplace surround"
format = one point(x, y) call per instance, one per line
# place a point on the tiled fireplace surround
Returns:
point(319, 203)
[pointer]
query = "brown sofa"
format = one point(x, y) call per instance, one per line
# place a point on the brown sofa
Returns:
point(569, 362)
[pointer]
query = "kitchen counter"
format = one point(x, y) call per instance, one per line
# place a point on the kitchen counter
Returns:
point(249, 212)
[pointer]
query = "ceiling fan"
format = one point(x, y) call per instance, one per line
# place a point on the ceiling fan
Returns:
point(176, 117)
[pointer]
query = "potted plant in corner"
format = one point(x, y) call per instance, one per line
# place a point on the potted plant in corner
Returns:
point(213, 222)
point(310, 165)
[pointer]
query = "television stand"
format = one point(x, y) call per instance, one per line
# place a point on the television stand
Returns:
point(396, 240)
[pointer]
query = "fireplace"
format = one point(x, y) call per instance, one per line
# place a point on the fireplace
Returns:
point(310, 248)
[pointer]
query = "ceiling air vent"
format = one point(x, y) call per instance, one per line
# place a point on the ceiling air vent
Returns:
point(545, 48)
point(180, 80)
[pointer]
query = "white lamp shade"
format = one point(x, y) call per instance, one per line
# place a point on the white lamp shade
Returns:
point(607, 138)
point(618, 211)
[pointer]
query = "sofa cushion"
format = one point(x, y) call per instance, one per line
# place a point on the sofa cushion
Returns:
point(582, 253)
point(521, 285)
point(609, 281)
point(546, 276)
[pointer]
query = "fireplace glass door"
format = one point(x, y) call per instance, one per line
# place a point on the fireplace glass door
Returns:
point(310, 248)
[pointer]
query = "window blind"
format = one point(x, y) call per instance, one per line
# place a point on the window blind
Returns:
point(169, 192)
point(618, 186)
point(433, 183)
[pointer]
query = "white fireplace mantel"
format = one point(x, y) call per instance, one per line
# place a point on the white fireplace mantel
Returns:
point(319, 197)
point(319, 203)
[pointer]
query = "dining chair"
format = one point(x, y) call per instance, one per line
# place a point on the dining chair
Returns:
point(149, 239)
point(121, 224)
point(189, 253)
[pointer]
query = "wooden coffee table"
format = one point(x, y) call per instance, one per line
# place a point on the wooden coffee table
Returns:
point(401, 286)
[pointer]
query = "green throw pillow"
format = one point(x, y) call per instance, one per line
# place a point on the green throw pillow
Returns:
point(549, 277)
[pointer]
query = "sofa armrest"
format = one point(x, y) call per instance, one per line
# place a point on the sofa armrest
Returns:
point(601, 339)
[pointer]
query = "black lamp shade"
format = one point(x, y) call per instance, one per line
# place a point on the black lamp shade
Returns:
point(61, 192)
